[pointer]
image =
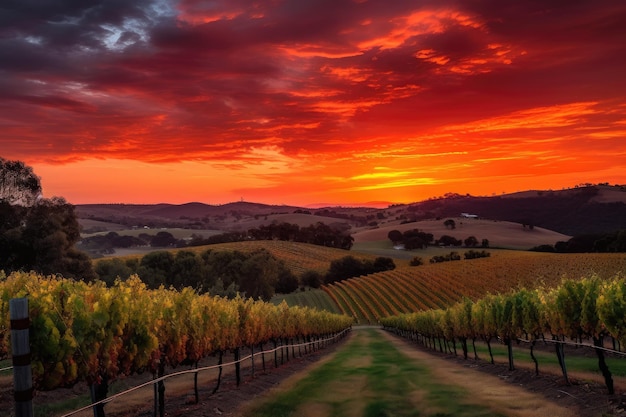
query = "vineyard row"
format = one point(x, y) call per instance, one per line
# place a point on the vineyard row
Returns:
point(88, 332)
point(587, 309)
point(308, 347)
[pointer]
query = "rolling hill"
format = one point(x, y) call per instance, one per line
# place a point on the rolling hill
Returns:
point(499, 233)
point(581, 210)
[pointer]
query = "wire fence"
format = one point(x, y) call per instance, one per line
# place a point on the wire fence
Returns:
point(574, 344)
point(206, 368)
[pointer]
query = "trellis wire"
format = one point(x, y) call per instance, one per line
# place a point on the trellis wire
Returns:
point(197, 370)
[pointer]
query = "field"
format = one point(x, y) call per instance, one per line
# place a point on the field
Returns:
point(501, 234)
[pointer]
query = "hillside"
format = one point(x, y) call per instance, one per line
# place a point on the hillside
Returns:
point(582, 210)
point(189, 214)
point(499, 233)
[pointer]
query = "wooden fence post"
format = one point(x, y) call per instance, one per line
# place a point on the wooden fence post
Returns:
point(20, 348)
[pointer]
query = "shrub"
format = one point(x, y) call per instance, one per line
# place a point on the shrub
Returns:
point(416, 261)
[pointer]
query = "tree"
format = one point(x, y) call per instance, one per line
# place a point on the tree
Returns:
point(344, 268)
point(450, 224)
point(414, 242)
point(18, 183)
point(427, 238)
point(187, 270)
point(259, 275)
point(108, 270)
point(446, 240)
point(395, 236)
point(416, 261)
point(224, 268)
point(163, 239)
point(42, 238)
point(36, 233)
point(311, 279)
point(11, 246)
point(471, 241)
point(543, 248)
point(383, 263)
point(155, 268)
point(287, 282)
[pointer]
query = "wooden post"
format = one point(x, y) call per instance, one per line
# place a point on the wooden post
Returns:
point(20, 348)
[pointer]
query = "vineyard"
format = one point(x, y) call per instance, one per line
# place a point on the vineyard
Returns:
point(584, 311)
point(408, 289)
point(88, 332)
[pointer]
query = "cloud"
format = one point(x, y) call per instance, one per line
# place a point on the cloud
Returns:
point(190, 80)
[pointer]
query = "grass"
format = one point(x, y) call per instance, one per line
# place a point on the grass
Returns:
point(5, 363)
point(574, 359)
point(370, 377)
point(60, 407)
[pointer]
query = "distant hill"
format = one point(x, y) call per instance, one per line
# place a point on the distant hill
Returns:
point(192, 215)
point(581, 210)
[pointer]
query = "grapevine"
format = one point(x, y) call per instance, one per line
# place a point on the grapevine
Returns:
point(88, 332)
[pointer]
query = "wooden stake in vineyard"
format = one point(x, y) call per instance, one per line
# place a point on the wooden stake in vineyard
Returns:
point(20, 346)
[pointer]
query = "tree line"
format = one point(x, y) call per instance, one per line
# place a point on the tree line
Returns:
point(317, 234)
point(257, 274)
point(601, 243)
point(417, 239)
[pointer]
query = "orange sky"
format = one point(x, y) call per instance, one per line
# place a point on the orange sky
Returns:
point(304, 102)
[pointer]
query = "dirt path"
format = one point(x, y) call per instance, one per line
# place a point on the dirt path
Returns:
point(536, 396)
point(470, 382)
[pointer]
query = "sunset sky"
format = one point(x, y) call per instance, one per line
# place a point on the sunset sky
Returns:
point(312, 101)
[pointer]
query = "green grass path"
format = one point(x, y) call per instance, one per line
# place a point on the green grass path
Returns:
point(369, 377)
